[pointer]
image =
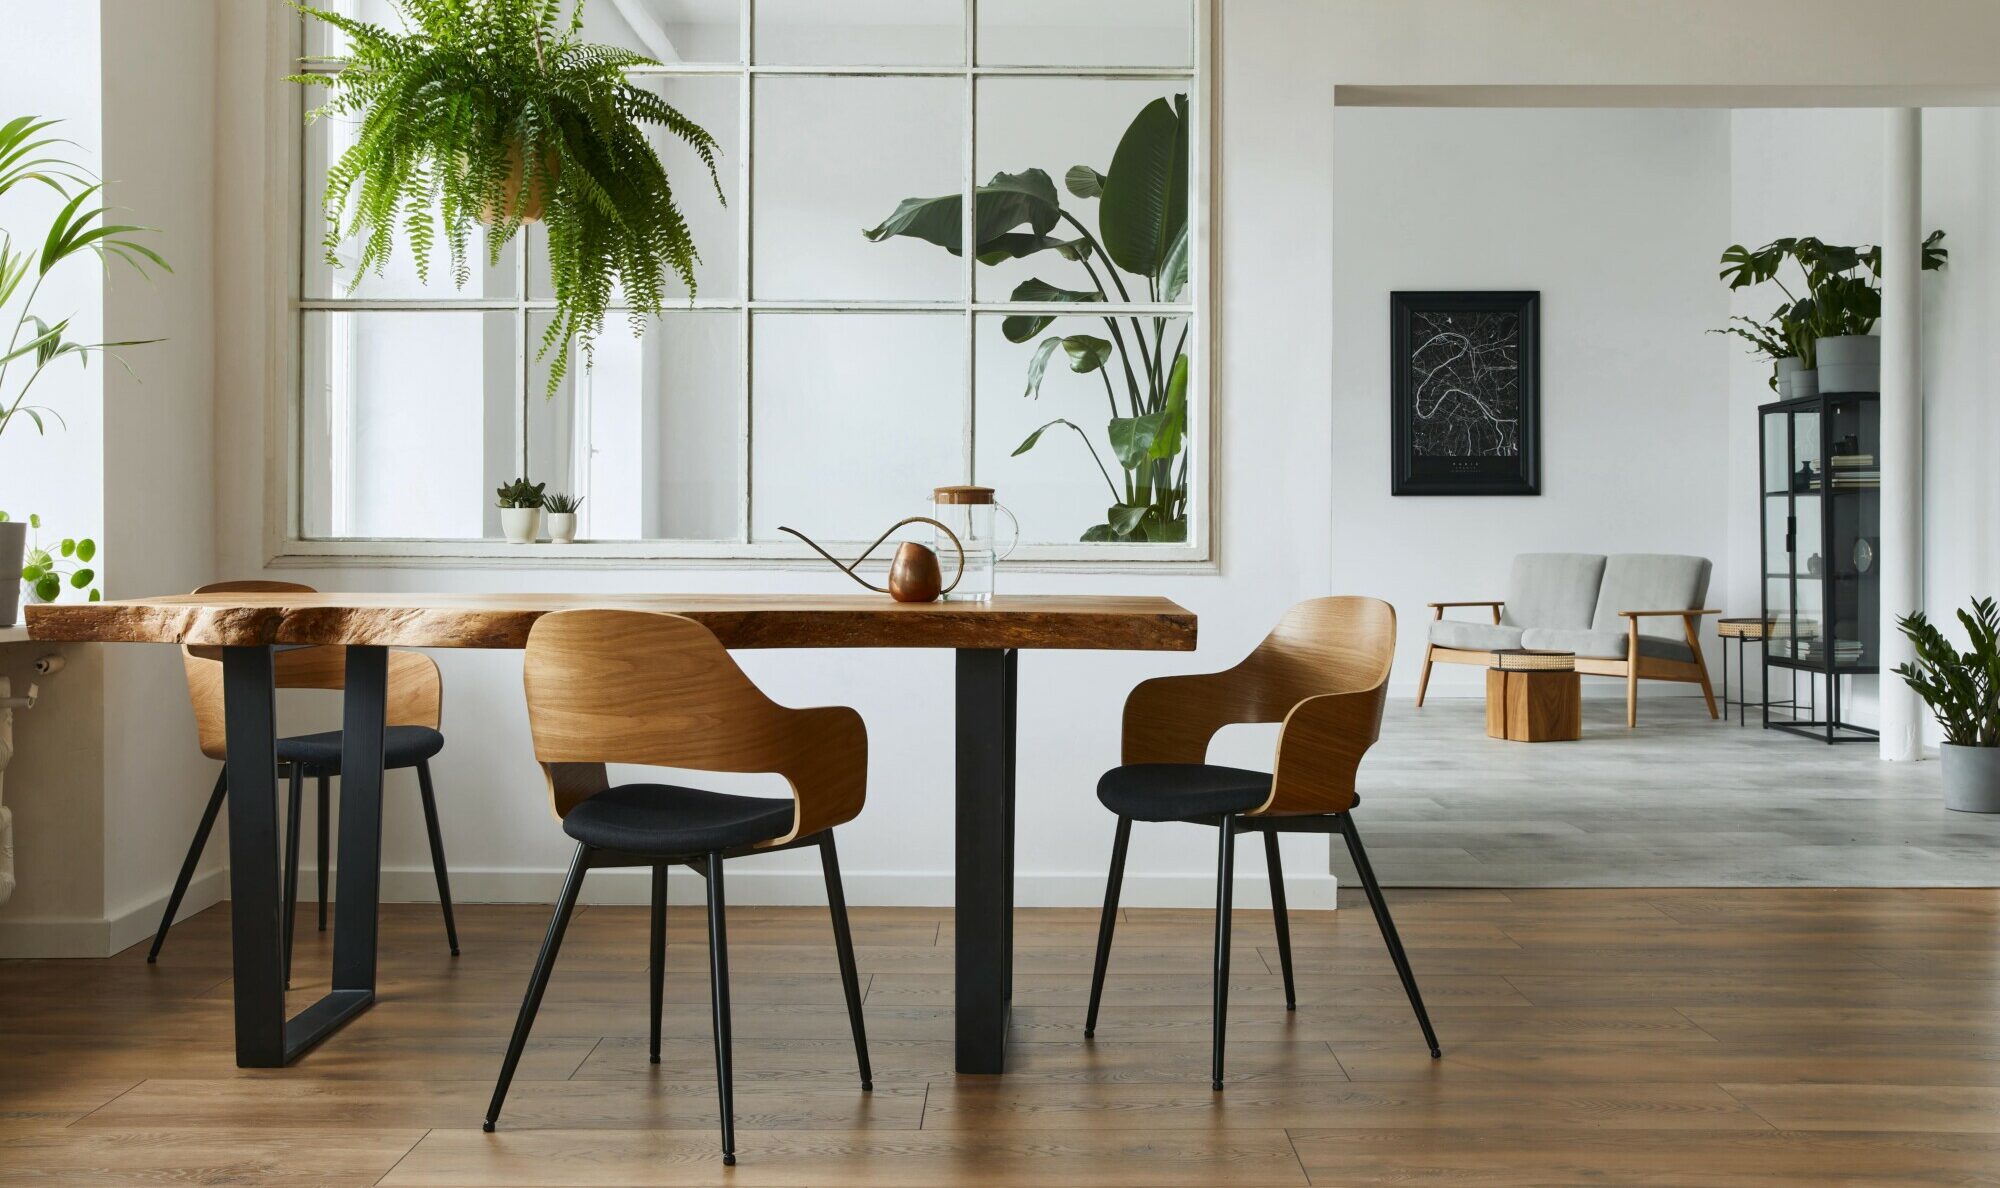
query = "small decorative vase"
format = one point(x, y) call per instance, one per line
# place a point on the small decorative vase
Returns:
point(520, 524)
point(562, 527)
point(13, 547)
point(1971, 778)
point(1849, 363)
point(1787, 368)
point(1805, 382)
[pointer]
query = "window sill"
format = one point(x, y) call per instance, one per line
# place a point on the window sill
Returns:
point(488, 554)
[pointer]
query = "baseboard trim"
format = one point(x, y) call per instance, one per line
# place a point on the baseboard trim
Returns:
point(781, 888)
point(102, 938)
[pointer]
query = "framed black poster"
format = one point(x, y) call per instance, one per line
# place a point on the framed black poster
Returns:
point(1465, 392)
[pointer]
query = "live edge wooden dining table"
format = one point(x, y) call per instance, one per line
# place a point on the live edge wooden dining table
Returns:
point(245, 629)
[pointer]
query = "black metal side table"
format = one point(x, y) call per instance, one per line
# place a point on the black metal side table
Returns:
point(1744, 632)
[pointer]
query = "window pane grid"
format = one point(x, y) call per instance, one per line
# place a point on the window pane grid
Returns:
point(748, 305)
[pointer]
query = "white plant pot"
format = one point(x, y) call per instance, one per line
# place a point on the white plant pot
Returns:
point(1787, 368)
point(1971, 778)
point(562, 527)
point(521, 524)
point(1849, 363)
point(1805, 383)
point(13, 547)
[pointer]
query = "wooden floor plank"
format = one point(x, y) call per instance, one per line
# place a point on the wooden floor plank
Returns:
point(1682, 1036)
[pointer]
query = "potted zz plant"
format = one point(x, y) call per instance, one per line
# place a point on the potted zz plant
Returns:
point(1142, 218)
point(1963, 691)
point(495, 111)
point(521, 510)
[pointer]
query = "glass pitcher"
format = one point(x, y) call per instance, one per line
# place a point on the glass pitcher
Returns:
point(969, 512)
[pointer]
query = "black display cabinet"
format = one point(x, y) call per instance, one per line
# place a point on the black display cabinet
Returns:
point(1821, 488)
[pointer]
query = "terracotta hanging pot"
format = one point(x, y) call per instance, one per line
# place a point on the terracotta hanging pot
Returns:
point(535, 203)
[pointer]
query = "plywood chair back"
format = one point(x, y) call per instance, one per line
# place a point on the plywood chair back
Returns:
point(416, 689)
point(609, 686)
point(1323, 672)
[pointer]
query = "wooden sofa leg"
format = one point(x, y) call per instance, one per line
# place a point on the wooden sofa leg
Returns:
point(1701, 665)
point(1632, 674)
point(1424, 681)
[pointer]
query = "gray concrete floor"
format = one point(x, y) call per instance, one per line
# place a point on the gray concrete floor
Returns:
point(1680, 801)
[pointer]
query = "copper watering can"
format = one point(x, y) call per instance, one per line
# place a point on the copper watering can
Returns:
point(914, 573)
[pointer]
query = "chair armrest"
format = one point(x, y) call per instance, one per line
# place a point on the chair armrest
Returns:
point(1476, 602)
point(1171, 719)
point(1319, 748)
point(1657, 613)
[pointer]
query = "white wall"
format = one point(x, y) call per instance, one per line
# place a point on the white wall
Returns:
point(1820, 173)
point(1615, 217)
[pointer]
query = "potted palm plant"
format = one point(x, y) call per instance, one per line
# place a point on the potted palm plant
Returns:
point(497, 112)
point(1142, 220)
point(34, 344)
point(1963, 691)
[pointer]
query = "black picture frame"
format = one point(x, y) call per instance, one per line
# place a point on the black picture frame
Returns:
point(1433, 454)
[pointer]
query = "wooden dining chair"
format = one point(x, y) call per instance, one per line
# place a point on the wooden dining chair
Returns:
point(416, 697)
point(658, 690)
point(1323, 673)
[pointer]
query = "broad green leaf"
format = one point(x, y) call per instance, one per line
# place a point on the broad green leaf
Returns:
point(1086, 352)
point(1174, 272)
point(1022, 327)
point(1145, 203)
point(82, 578)
point(1124, 519)
point(1036, 436)
point(1161, 531)
point(1098, 534)
point(1173, 418)
point(97, 596)
point(1009, 201)
point(86, 549)
point(48, 587)
point(1133, 438)
point(1036, 367)
point(1084, 182)
point(33, 573)
point(68, 547)
point(34, 520)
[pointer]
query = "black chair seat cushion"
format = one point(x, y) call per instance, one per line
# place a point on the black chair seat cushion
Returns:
point(661, 819)
point(402, 746)
point(1179, 791)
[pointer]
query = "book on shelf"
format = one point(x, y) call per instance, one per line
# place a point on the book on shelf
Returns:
point(1849, 461)
point(1533, 660)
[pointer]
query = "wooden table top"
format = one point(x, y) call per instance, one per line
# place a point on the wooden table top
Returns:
point(739, 620)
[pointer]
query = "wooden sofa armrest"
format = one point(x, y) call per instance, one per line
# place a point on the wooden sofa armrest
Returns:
point(1656, 613)
point(1494, 604)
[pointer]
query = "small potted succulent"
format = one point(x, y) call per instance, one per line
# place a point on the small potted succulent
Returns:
point(562, 516)
point(521, 510)
point(1963, 691)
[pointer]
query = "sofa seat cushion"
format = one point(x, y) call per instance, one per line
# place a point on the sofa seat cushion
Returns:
point(1474, 637)
point(1605, 645)
point(1553, 590)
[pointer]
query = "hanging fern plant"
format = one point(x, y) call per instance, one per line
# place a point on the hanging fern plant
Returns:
point(496, 112)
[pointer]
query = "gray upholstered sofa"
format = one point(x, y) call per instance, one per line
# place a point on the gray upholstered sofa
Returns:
point(1631, 615)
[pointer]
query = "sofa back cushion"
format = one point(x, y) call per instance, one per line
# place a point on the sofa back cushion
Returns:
point(1553, 590)
point(1651, 581)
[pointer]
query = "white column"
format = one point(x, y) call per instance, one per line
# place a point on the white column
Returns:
point(1901, 555)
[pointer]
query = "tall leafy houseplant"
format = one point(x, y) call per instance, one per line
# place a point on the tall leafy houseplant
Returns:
point(1142, 220)
point(1963, 691)
point(1833, 292)
point(496, 111)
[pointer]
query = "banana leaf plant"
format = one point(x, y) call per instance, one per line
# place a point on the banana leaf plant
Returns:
point(1142, 220)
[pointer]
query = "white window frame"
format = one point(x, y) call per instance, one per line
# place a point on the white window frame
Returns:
point(287, 543)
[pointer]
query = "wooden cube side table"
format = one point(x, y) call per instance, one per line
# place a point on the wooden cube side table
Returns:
point(1534, 706)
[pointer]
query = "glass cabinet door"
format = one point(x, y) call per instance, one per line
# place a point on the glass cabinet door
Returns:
point(1776, 493)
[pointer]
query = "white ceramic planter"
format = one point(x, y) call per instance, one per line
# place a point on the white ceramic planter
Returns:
point(13, 547)
point(1849, 363)
point(1787, 368)
point(562, 527)
point(521, 524)
point(1971, 778)
point(1805, 383)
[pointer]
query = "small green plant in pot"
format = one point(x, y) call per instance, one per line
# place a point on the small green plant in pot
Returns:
point(46, 571)
point(497, 112)
point(521, 510)
point(1963, 691)
point(562, 516)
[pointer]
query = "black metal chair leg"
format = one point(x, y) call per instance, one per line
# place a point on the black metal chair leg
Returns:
point(656, 962)
point(538, 981)
point(843, 945)
point(295, 802)
point(718, 989)
point(325, 839)
point(437, 852)
point(1388, 926)
point(1282, 917)
point(1108, 922)
point(188, 864)
point(1225, 879)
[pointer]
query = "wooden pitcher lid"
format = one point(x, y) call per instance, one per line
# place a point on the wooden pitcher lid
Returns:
point(962, 495)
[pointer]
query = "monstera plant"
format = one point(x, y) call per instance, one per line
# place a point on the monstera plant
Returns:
point(1142, 232)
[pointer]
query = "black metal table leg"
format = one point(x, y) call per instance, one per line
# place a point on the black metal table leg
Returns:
point(256, 942)
point(984, 882)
